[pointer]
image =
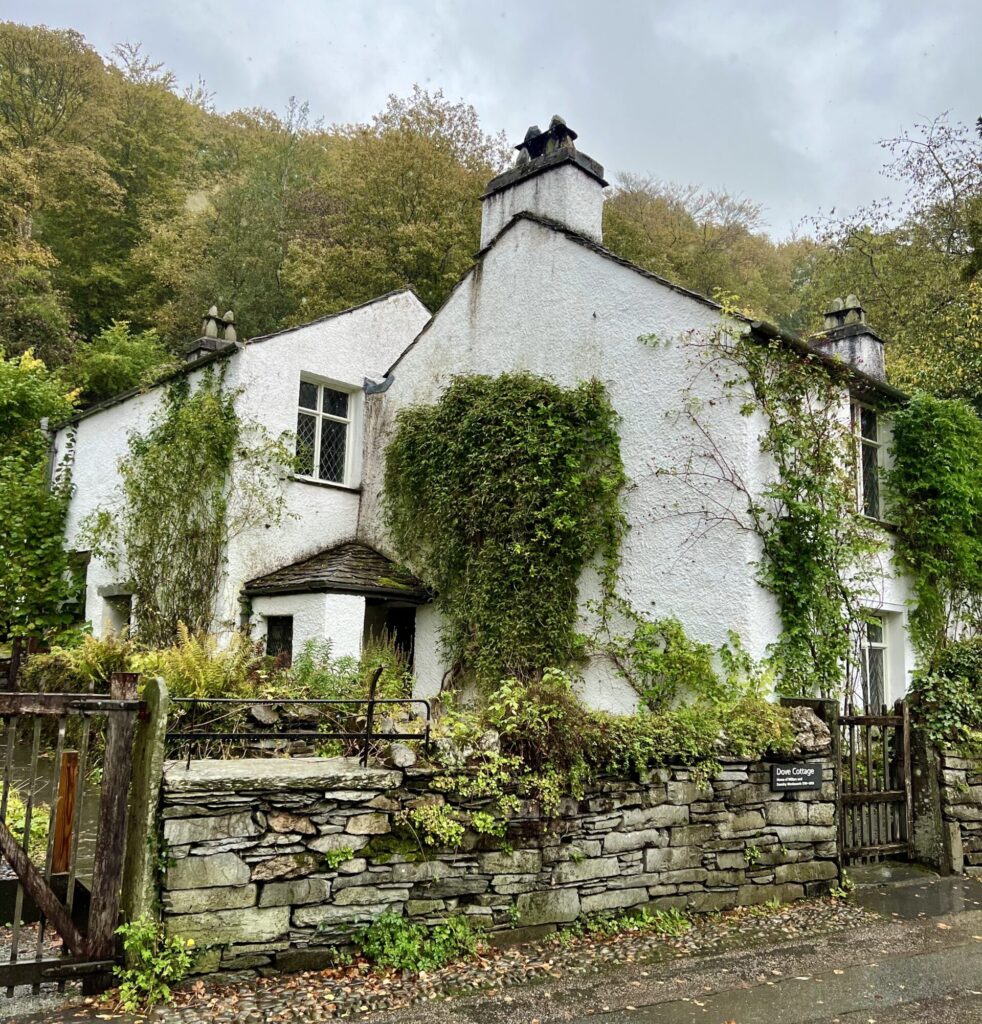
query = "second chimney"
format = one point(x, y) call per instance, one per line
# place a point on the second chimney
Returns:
point(850, 338)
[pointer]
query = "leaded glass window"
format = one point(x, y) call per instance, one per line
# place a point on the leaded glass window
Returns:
point(869, 447)
point(323, 425)
point(874, 663)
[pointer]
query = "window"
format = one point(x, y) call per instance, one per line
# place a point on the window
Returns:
point(869, 448)
point(279, 637)
point(324, 421)
point(873, 653)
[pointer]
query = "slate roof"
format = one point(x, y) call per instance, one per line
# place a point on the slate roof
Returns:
point(350, 568)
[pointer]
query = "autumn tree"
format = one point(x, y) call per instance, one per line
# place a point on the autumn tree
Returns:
point(395, 205)
point(708, 241)
point(914, 262)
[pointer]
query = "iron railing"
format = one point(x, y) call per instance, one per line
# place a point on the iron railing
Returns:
point(199, 724)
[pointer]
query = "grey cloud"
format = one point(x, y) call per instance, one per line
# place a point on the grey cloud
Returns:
point(783, 103)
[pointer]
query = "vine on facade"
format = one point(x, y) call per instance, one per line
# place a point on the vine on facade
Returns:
point(818, 553)
point(934, 491)
point(197, 477)
point(500, 495)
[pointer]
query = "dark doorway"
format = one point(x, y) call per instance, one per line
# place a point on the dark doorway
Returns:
point(279, 638)
point(397, 622)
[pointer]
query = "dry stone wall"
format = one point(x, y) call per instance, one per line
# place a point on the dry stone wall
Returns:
point(961, 809)
point(273, 863)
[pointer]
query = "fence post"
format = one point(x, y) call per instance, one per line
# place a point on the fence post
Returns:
point(142, 839)
point(113, 807)
point(370, 715)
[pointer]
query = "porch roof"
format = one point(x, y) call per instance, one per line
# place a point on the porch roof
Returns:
point(350, 567)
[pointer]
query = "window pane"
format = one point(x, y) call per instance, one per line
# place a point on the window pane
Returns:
point(867, 421)
point(306, 431)
point(335, 402)
point(874, 632)
point(871, 481)
point(333, 443)
point(874, 678)
point(308, 395)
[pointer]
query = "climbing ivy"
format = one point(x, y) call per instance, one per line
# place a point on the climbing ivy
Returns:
point(818, 553)
point(934, 493)
point(500, 495)
point(197, 477)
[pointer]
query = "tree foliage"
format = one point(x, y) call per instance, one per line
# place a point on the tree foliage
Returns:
point(35, 571)
point(914, 263)
point(118, 359)
point(935, 498)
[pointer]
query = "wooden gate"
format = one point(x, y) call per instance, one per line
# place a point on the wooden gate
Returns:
point(63, 908)
point(874, 784)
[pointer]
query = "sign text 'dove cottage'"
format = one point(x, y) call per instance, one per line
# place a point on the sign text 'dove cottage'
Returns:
point(787, 777)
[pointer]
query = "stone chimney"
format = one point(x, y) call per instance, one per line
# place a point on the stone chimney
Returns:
point(217, 332)
point(848, 337)
point(550, 179)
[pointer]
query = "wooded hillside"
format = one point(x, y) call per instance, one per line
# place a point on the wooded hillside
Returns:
point(129, 205)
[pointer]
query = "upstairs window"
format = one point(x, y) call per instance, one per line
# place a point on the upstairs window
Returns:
point(869, 449)
point(324, 420)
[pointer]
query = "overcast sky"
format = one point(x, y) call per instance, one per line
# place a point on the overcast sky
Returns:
point(783, 102)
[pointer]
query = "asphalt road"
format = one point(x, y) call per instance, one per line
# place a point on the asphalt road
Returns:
point(921, 963)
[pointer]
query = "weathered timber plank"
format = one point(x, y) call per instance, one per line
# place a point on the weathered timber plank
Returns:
point(35, 886)
point(107, 870)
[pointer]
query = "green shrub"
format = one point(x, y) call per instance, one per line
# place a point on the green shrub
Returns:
point(948, 701)
point(316, 673)
point(392, 940)
point(37, 844)
point(157, 964)
point(86, 664)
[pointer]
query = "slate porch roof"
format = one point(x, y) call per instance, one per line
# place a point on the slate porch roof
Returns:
point(349, 568)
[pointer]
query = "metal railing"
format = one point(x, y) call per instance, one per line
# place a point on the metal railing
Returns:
point(198, 724)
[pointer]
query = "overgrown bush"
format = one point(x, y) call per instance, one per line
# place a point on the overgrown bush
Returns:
point(157, 963)
point(392, 940)
point(197, 665)
point(317, 673)
point(948, 700)
point(81, 663)
point(536, 739)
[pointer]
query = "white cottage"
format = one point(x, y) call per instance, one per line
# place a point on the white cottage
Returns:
point(543, 296)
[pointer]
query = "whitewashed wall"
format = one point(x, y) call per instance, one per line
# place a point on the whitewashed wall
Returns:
point(345, 348)
point(340, 617)
point(541, 302)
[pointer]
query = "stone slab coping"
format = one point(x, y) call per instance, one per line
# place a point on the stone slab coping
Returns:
point(326, 773)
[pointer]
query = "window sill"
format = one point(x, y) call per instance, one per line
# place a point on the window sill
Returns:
point(314, 482)
point(882, 523)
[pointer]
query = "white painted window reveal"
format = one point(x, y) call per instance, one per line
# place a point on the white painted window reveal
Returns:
point(325, 420)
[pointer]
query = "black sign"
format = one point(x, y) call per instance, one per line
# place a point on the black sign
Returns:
point(786, 777)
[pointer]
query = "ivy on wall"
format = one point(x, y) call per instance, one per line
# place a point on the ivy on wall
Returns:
point(934, 490)
point(818, 553)
point(197, 477)
point(500, 494)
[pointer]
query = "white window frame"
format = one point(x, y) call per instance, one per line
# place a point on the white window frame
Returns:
point(352, 448)
point(880, 446)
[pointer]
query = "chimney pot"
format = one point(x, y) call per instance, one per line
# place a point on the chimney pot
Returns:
point(550, 179)
point(849, 337)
